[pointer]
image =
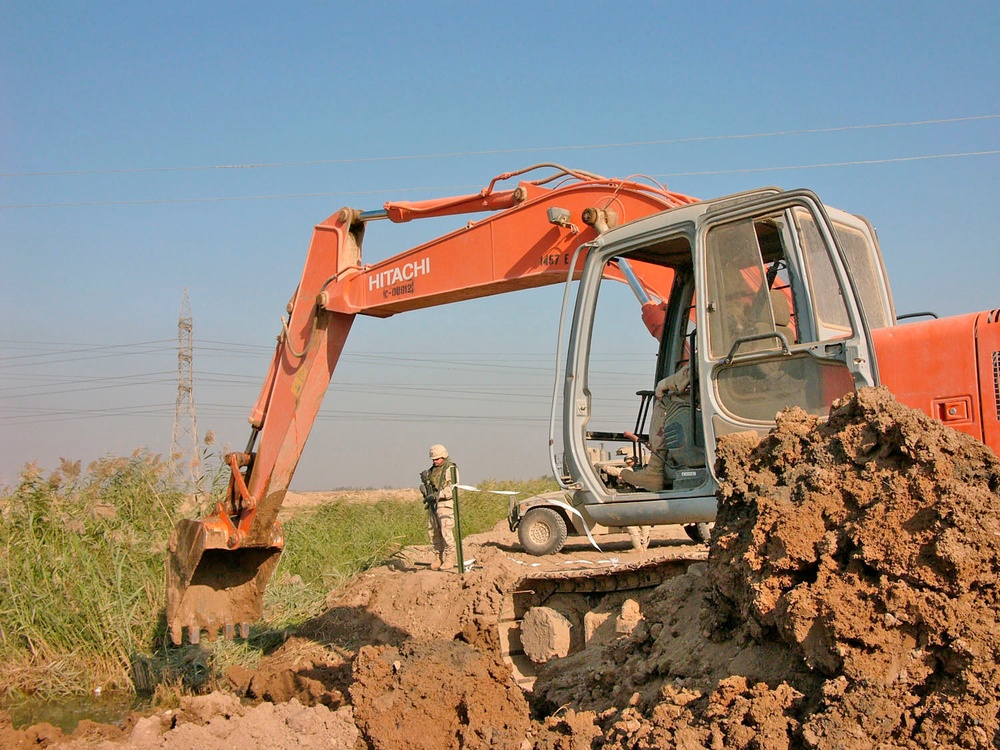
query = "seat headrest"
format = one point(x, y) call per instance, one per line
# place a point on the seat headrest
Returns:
point(782, 310)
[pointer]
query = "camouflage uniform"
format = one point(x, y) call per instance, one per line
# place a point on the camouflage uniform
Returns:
point(669, 406)
point(441, 521)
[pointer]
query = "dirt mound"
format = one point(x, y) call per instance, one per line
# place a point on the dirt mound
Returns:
point(871, 545)
point(406, 599)
point(851, 596)
point(301, 669)
point(434, 695)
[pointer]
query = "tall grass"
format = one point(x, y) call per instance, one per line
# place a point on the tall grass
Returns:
point(82, 583)
point(81, 573)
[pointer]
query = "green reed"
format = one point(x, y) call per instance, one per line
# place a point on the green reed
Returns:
point(81, 573)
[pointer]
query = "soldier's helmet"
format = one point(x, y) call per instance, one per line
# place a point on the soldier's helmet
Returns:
point(438, 451)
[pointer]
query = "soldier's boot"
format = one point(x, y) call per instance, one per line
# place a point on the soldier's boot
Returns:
point(639, 536)
point(651, 476)
point(447, 561)
point(438, 559)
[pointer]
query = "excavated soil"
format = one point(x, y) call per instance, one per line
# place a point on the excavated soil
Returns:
point(848, 600)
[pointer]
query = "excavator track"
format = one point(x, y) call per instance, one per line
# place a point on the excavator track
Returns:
point(561, 612)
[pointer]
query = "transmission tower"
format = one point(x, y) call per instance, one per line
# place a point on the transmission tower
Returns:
point(185, 460)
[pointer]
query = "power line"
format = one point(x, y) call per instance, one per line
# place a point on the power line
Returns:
point(73, 414)
point(496, 152)
point(108, 382)
point(457, 188)
point(827, 165)
point(77, 348)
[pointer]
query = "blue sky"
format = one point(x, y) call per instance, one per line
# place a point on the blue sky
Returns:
point(116, 121)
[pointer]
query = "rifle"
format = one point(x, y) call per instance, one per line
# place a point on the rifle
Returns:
point(430, 494)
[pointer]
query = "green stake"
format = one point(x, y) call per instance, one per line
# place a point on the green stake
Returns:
point(458, 520)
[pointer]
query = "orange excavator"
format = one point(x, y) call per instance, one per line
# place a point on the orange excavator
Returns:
point(762, 300)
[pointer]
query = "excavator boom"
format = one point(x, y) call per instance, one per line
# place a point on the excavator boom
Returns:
point(218, 567)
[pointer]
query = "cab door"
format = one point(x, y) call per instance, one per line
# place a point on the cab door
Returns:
point(781, 322)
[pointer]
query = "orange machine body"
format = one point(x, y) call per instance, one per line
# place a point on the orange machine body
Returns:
point(947, 368)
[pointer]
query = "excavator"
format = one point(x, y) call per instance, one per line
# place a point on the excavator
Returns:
point(758, 301)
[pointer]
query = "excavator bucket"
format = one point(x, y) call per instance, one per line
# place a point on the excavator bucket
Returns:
point(211, 587)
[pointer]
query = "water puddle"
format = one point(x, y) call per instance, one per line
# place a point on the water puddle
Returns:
point(66, 713)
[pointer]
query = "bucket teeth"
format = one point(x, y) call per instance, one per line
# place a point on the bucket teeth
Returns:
point(211, 630)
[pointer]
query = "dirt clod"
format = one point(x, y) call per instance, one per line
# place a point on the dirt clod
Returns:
point(871, 546)
point(436, 695)
point(545, 634)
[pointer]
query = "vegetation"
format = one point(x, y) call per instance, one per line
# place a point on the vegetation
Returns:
point(81, 573)
point(82, 586)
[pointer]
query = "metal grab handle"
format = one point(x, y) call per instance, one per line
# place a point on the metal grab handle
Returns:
point(757, 337)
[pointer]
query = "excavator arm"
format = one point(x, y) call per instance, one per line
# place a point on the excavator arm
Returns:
point(219, 566)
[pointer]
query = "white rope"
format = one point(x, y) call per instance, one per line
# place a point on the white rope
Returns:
point(570, 509)
point(492, 492)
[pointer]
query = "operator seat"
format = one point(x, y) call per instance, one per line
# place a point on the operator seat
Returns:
point(782, 311)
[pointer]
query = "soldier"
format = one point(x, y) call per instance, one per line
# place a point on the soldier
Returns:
point(437, 488)
point(670, 413)
point(671, 397)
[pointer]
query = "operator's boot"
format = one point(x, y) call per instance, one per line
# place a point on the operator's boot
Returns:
point(448, 561)
point(438, 559)
point(651, 476)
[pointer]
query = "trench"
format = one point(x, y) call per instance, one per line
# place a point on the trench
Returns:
point(587, 599)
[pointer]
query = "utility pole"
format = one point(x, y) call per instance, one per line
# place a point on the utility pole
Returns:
point(185, 460)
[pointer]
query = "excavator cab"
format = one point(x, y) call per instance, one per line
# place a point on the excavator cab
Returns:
point(771, 305)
